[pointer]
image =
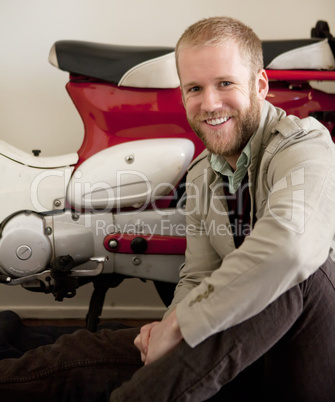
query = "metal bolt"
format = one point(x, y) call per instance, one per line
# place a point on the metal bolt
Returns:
point(48, 231)
point(23, 252)
point(75, 217)
point(129, 159)
point(113, 244)
point(137, 261)
point(57, 203)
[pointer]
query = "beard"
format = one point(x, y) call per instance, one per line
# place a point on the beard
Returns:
point(223, 142)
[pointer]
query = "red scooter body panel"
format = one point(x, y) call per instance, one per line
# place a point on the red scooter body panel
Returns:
point(112, 114)
point(301, 100)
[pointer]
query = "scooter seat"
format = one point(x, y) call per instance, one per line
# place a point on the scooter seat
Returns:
point(154, 67)
point(102, 61)
point(304, 54)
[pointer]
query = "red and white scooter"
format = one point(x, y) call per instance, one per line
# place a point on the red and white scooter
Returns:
point(114, 209)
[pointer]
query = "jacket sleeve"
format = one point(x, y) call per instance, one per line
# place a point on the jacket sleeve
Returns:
point(200, 258)
point(291, 239)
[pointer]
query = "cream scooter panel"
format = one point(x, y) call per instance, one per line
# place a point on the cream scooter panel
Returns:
point(130, 174)
point(32, 183)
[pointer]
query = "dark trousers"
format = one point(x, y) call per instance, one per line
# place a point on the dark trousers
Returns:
point(285, 353)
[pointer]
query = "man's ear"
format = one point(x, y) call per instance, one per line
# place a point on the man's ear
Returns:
point(262, 85)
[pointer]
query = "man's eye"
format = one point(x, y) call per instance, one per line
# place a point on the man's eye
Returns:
point(225, 83)
point(194, 89)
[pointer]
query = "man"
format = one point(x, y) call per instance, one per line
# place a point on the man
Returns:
point(255, 305)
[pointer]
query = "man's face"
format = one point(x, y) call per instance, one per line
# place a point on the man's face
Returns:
point(222, 103)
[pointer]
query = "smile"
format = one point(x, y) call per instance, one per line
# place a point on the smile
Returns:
point(218, 121)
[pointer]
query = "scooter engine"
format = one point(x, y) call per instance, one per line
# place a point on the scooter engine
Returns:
point(25, 249)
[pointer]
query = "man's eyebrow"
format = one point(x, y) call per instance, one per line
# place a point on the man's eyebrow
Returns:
point(219, 79)
point(190, 84)
point(227, 78)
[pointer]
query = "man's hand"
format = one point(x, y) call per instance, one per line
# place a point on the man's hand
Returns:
point(158, 338)
point(142, 339)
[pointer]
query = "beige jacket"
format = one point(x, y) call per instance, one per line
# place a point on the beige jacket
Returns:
point(292, 187)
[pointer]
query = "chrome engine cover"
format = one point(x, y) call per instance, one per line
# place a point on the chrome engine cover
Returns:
point(25, 249)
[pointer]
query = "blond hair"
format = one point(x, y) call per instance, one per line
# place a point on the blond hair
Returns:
point(217, 30)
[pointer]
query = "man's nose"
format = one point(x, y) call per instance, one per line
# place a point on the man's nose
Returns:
point(210, 100)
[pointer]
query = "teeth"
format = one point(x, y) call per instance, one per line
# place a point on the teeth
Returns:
point(215, 122)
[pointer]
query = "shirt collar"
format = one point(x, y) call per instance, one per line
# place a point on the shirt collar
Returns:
point(220, 165)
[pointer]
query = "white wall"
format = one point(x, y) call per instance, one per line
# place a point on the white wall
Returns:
point(35, 111)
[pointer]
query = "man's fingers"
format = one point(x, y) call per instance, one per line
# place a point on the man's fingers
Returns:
point(143, 357)
point(145, 334)
point(142, 339)
point(138, 343)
